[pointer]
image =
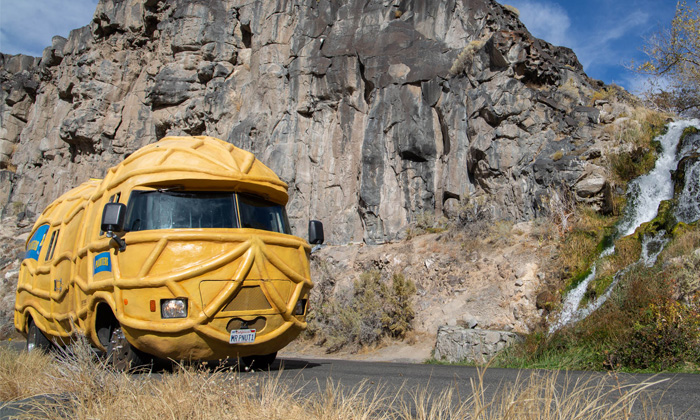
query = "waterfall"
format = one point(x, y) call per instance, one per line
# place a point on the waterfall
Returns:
point(644, 194)
point(688, 207)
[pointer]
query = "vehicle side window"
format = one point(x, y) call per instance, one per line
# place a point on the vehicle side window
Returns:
point(36, 242)
point(52, 245)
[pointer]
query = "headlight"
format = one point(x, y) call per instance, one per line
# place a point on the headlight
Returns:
point(173, 308)
point(300, 307)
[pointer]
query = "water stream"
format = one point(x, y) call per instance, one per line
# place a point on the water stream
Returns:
point(644, 195)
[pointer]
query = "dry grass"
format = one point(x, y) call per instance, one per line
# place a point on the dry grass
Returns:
point(580, 246)
point(637, 152)
point(683, 244)
point(77, 385)
point(514, 10)
point(627, 251)
point(465, 56)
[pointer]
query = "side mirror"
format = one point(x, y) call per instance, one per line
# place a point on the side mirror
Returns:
point(315, 232)
point(113, 217)
point(113, 221)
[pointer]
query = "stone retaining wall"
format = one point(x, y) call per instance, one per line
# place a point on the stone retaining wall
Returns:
point(458, 344)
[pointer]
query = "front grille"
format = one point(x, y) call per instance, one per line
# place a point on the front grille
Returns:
point(248, 298)
point(257, 324)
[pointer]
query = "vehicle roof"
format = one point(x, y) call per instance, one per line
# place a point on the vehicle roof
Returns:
point(202, 162)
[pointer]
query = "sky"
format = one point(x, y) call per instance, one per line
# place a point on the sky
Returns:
point(604, 34)
point(27, 26)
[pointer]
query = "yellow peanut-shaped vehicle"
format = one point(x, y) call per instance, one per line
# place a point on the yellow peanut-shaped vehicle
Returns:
point(182, 251)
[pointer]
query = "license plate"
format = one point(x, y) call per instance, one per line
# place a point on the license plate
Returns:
point(242, 336)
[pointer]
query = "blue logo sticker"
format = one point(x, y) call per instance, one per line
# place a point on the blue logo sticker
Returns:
point(36, 242)
point(103, 262)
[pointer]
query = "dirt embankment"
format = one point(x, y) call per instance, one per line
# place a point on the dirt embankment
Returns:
point(488, 280)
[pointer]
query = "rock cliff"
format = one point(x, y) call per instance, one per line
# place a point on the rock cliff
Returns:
point(374, 112)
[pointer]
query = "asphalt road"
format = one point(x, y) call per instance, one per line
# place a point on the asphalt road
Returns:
point(679, 393)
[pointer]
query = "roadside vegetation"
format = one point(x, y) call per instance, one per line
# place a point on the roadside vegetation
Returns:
point(77, 385)
point(362, 315)
point(650, 323)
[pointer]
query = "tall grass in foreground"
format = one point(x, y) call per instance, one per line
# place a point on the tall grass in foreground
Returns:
point(77, 385)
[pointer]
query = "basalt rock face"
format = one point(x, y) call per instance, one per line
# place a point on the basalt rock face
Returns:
point(372, 111)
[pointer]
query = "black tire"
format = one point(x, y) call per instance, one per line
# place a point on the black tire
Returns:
point(36, 340)
point(122, 355)
point(263, 362)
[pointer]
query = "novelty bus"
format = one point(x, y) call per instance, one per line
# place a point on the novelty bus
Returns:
point(183, 251)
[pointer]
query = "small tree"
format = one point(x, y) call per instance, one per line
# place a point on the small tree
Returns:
point(674, 61)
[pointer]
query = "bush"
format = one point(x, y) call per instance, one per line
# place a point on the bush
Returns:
point(606, 94)
point(399, 314)
point(473, 216)
point(639, 135)
point(582, 243)
point(667, 335)
point(427, 222)
point(362, 315)
point(628, 165)
point(465, 56)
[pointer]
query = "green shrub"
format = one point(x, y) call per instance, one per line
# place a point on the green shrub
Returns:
point(399, 315)
point(640, 157)
point(596, 288)
point(628, 165)
point(589, 234)
point(362, 315)
point(667, 335)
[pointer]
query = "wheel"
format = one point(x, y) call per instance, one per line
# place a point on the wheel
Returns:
point(263, 362)
point(122, 355)
point(36, 340)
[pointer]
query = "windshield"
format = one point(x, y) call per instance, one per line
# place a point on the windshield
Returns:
point(257, 213)
point(162, 209)
point(179, 210)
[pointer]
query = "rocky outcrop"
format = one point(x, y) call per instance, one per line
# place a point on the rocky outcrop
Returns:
point(686, 178)
point(13, 234)
point(373, 112)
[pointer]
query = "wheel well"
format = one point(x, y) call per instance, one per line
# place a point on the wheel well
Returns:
point(28, 321)
point(105, 321)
